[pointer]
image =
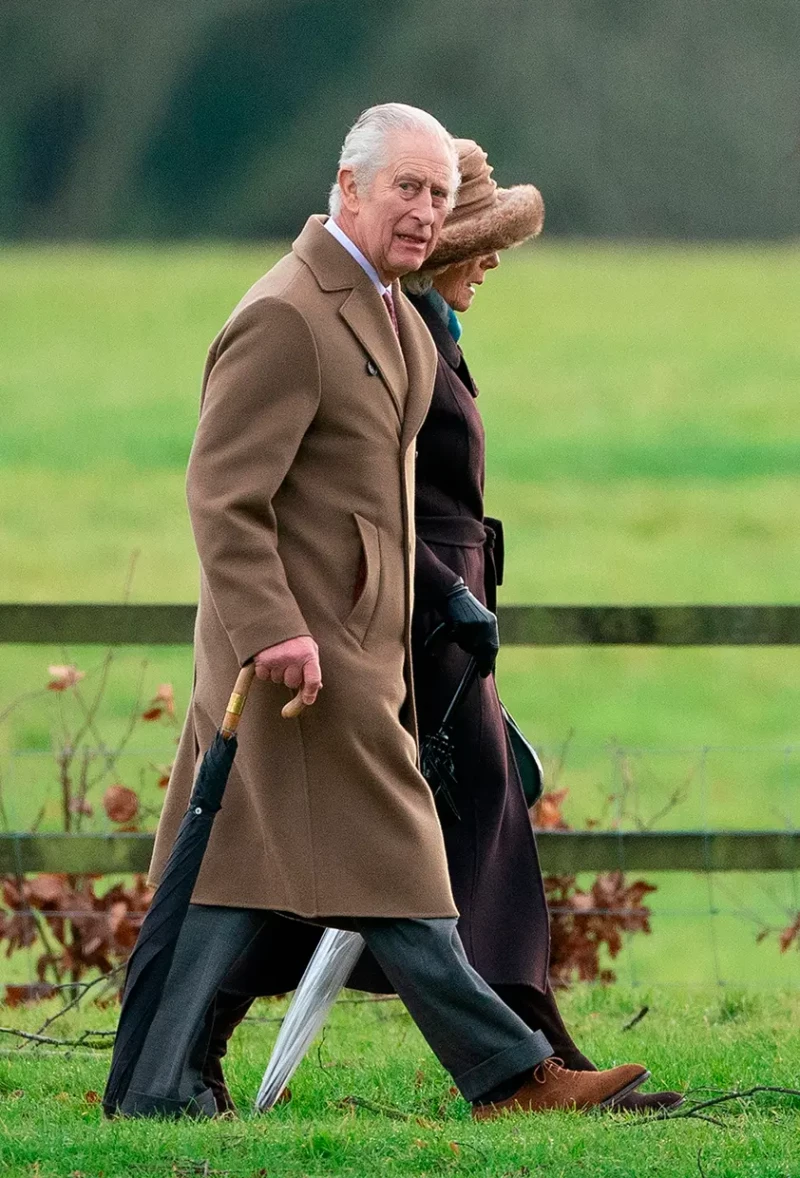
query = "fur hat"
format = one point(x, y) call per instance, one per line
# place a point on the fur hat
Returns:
point(485, 217)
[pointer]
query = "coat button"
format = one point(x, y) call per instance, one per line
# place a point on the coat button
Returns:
point(372, 368)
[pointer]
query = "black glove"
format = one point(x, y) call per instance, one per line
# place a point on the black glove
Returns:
point(472, 626)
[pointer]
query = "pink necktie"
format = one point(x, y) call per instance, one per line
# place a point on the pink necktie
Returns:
point(389, 301)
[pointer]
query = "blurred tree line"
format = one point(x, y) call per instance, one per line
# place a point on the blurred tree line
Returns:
point(165, 118)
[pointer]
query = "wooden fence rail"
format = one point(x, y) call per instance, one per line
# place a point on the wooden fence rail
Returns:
point(520, 625)
point(562, 852)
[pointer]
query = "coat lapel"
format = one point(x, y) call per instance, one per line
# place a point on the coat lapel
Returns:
point(446, 346)
point(366, 316)
point(420, 353)
point(362, 309)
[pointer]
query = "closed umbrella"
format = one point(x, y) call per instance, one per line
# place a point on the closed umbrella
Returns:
point(149, 964)
point(325, 975)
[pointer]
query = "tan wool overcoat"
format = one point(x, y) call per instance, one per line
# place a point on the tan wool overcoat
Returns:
point(301, 494)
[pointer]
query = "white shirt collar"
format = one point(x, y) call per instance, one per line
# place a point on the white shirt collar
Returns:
point(356, 254)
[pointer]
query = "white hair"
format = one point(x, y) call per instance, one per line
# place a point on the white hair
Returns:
point(364, 151)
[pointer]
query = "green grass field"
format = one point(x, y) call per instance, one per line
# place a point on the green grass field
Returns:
point(640, 405)
point(50, 1129)
point(374, 1052)
point(643, 422)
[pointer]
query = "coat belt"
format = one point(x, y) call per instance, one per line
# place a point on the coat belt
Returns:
point(464, 531)
point(457, 531)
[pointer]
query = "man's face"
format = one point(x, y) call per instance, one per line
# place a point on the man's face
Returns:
point(397, 221)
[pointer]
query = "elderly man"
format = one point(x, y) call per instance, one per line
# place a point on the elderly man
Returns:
point(300, 491)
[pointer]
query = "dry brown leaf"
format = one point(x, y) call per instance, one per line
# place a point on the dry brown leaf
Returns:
point(80, 806)
point(790, 934)
point(63, 676)
point(45, 891)
point(547, 813)
point(166, 696)
point(120, 803)
point(162, 704)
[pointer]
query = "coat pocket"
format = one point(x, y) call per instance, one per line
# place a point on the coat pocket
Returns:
point(359, 618)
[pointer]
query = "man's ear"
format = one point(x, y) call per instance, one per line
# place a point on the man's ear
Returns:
point(349, 190)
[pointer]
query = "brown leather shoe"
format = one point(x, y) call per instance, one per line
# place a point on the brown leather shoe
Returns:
point(647, 1102)
point(553, 1087)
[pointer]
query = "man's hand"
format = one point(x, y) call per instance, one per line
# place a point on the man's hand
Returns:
point(294, 663)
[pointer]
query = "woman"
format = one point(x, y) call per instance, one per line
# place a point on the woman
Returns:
point(494, 868)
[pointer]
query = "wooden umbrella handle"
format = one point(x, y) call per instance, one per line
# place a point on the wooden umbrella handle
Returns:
point(237, 701)
point(294, 708)
point(233, 713)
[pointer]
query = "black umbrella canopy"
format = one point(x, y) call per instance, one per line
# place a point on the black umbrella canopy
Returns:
point(149, 964)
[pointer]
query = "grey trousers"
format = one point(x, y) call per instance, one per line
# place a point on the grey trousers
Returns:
point(476, 1037)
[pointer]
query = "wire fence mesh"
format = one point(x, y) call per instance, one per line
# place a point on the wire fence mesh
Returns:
point(707, 927)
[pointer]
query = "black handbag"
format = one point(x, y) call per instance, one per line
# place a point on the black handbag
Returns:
point(531, 772)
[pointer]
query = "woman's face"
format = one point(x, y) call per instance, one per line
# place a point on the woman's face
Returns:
point(457, 283)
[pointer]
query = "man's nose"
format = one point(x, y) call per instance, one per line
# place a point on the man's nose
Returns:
point(423, 208)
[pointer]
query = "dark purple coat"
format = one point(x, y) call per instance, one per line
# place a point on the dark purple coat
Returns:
point(494, 867)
